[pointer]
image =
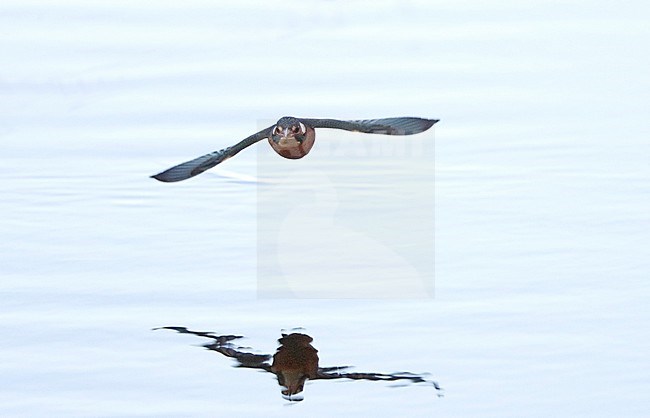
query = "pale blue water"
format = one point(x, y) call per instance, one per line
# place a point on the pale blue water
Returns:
point(538, 304)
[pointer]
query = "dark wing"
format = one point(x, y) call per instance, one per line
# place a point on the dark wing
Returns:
point(388, 126)
point(199, 165)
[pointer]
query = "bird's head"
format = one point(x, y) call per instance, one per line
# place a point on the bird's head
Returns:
point(291, 138)
point(287, 130)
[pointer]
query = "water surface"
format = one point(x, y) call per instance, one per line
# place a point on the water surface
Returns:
point(536, 306)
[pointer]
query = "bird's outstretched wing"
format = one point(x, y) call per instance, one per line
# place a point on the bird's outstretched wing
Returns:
point(387, 126)
point(199, 165)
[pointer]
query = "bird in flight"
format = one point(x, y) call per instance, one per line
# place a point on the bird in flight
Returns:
point(293, 138)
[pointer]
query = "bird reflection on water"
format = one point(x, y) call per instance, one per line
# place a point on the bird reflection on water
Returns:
point(294, 362)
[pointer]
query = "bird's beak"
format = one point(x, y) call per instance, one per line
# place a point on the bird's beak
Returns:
point(286, 133)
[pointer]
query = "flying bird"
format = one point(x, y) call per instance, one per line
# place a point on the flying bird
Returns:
point(293, 138)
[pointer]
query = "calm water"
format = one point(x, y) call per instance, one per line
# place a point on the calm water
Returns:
point(536, 303)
